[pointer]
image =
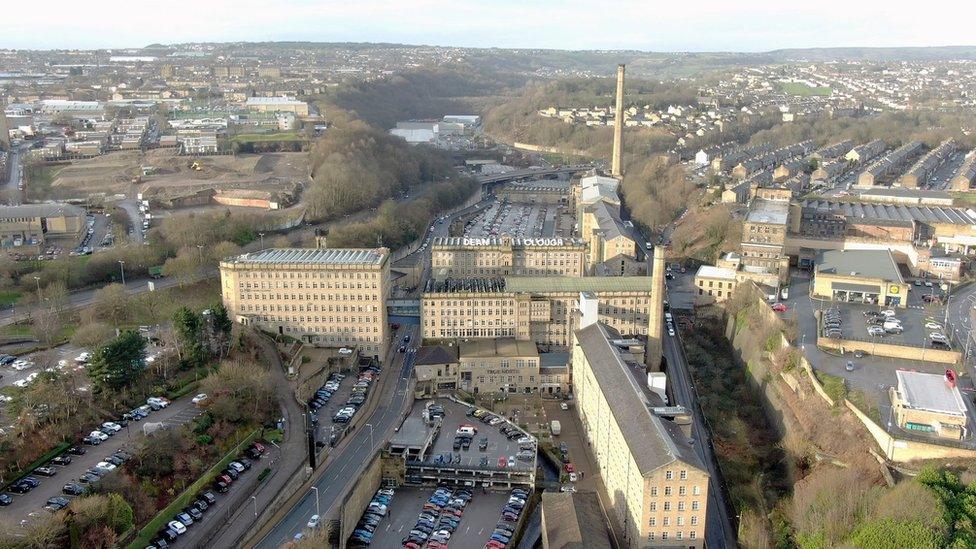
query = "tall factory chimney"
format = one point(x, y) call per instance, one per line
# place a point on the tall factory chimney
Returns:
point(655, 314)
point(616, 169)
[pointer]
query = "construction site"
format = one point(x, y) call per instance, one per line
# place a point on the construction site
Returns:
point(267, 181)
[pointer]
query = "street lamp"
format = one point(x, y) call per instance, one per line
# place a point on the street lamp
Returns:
point(317, 510)
point(37, 280)
point(370, 425)
point(122, 270)
point(262, 239)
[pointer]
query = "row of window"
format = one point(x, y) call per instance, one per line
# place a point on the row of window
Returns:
point(680, 521)
point(350, 324)
point(315, 275)
point(311, 308)
point(308, 297)
point(667, 506)
point(308, 286)
point(677, 535)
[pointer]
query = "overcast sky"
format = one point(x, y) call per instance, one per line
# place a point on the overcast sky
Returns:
point(702, 25)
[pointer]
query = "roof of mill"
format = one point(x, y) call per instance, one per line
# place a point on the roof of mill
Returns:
point(314, 256)
point(653, 443)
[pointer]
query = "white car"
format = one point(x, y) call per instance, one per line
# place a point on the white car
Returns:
point(21, 365)
point(83, 357)
point(888, 312)
point(933, 325)
point(670, 331)
point(105, 465)
point(177, 527)
point(199, 398)
point(313, 522)
point(99, 435)
point(110, 426)
point(158, 401)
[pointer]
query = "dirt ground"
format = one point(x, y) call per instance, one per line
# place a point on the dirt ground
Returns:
point(114, 172)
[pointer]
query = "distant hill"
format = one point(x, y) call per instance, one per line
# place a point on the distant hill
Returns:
point(934, 53)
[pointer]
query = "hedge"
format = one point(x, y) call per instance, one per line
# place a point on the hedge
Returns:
point(40, 461)
point(149, 531)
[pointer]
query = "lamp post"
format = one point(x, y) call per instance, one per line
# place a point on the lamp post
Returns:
point(370, 425)
point(317, 510)
point(122, 270)
point(261, 234)
point(37, 280)
point(254, 500)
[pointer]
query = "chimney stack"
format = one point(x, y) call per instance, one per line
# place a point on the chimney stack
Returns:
point(616, 169)
point(655, 314)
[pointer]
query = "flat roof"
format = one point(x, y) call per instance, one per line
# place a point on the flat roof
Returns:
point(40, 210)
point(653, 442)
point(710, 271)
point(862, 263)
point(546, 284)
point(501, 347)
point(768, 211)
point(314, 256)
point(930, 392)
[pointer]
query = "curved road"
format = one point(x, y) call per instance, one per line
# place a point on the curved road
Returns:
point(344, 467)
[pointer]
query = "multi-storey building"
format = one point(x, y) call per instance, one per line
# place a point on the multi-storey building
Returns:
point(327, 297)
point(503, 256)
point(539, 309)
point(764, 236)
point(658, 485)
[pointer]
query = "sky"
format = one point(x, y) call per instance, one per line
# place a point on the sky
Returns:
point(649, 25)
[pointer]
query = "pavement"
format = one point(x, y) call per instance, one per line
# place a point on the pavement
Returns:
point(28, 505)
point(345, 464)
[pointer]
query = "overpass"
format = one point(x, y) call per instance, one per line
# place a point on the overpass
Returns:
point(488, 180)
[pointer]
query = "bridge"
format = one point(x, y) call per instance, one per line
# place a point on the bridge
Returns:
point(488, 180)
point(403, 307)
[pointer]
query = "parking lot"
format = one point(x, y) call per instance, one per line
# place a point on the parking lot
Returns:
point(499, 446)
point(29, 505)
point(518, 220)
point(477, 522)
point(872, 375)
point(10, 376)
point(917, 324)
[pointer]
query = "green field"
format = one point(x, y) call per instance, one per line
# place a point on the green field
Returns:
point(261, 137)
point(796, 88)
point(9, 298)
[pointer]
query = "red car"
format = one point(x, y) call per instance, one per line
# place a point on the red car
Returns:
point(501, 462)
point(779, 308)
point(569, 468)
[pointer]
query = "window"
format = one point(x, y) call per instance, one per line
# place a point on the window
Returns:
point(682, 490)
point(667, 505)
point(668, 475)
point(694, 506)
point(681, 506)
point(692, 535)
point(696, 490)
point(653, 521)
point(664, 535)
point(653, 491)
point(653, 506)
point(694, 520)
point(677, 535)
point(681, 521)
point(667, 490)
point(667, 521)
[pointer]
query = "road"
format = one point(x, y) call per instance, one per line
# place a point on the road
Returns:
point(28, 505)
point(233, 514)
point(83, 298)
point(345, 465)
point(719, 531)
point(14, 194)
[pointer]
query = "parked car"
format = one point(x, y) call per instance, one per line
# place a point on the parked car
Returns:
point(177, 527)
point(73, 489)
point(63, 459)
point(46, 471)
